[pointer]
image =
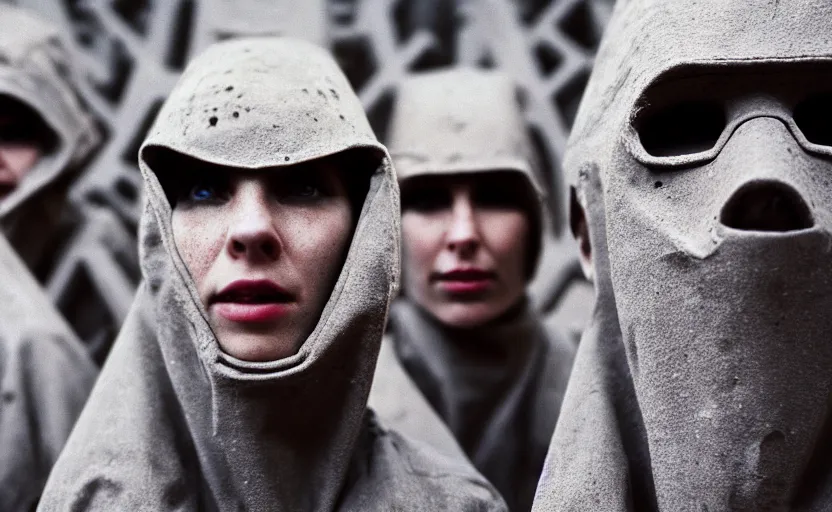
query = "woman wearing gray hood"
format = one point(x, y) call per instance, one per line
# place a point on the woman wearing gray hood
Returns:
point(700, 160)
point(468, 341)
point(45, 373)
point(45, 132)
point(269, 249)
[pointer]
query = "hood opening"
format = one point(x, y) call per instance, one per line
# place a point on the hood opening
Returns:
point(21, 123)
point(766, 206)
point(177, 171)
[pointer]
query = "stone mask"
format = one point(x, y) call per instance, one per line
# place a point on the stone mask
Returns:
point(718, 231)
point(706, 128)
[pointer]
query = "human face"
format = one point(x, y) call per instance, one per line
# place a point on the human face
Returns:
point(18, 153)
point(264, 249)
point(464, 240)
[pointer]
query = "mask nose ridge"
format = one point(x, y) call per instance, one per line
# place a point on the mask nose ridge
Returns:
point(766, 205)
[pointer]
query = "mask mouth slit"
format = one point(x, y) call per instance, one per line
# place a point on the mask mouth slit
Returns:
point(767, 206)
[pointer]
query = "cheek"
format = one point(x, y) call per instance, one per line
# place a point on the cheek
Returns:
point(316, 242)
point(506, 236)
point(421, 244)
point(20, 158)
point(199, 235)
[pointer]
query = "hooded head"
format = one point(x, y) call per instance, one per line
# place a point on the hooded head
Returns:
point(472, 201)
point(45, 132)
point(701, 153)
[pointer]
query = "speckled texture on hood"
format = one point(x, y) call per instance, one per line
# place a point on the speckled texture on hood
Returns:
point(175, 423)
point(36, 70)
point(704, 380)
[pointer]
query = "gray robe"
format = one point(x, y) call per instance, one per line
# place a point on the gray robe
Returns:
point(45, 378)
point(497, 388)
point(177, 424)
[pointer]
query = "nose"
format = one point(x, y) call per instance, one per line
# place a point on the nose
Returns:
point(252, 234)
point(766, 205)
point(463, 236)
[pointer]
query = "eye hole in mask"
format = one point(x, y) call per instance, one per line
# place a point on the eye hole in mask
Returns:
point(814, 118)
point(682, 128)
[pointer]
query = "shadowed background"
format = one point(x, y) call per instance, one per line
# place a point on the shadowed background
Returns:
point(130, 53)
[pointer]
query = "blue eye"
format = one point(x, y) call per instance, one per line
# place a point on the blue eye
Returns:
point(306, 190)
point(202, 193)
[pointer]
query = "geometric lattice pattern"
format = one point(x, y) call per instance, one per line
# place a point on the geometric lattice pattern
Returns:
point(131, 52)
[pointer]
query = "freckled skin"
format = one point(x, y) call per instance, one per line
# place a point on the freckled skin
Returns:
point(257, 235)
point(464, 235)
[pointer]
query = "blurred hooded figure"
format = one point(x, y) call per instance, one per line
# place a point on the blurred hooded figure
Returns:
point(700, 161)
point(46, 136)
point(270, 252)
point(465, 344)
point(45, 133)
point(45, 373)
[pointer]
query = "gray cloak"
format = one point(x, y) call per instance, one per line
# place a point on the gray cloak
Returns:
point(45, 378)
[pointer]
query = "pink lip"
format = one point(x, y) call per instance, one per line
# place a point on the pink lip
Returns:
point(467, 281)
point(257, 313)
point(252, 301)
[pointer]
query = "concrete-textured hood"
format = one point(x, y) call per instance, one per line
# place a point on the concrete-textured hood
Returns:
point(704, 380)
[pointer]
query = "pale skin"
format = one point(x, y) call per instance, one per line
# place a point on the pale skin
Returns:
point(580, 230)
point(459, 223)
point(17, 157)
point(285, 226)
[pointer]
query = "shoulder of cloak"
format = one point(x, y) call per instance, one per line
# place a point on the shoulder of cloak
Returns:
point(43, 386)
point(128, 450)
point(400, 405)
point(395, 472)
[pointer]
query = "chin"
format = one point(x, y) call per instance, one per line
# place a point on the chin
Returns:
point(256, 348)
point(468, 315)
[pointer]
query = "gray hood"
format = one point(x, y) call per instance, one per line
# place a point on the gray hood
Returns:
point(704, 380)
point(177, 424)
point(45, 378)
point(461, 121)
point(35, 69)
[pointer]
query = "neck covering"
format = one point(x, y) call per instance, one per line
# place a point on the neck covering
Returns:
point(35, 69)
point(45, 378)
point(497, 387)
point(462, 121)
point(703, 382)
point(177, 424)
